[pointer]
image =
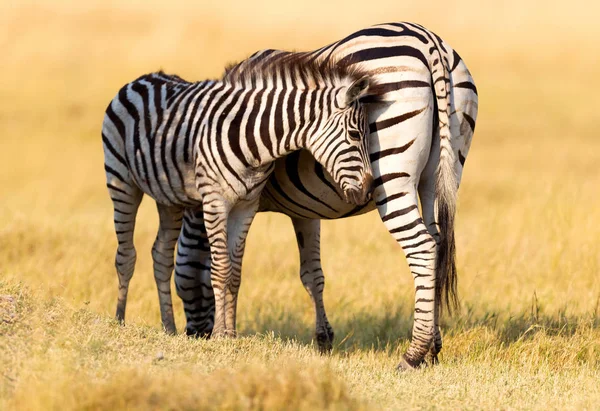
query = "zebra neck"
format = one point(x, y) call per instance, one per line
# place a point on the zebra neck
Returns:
point(285, 122)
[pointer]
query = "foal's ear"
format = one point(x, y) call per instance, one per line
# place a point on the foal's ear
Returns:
point(357, 90)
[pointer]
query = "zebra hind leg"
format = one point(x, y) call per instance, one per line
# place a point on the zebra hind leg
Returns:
point(192, 275)
point(126, 200)
point(427, 197)
point(401, 216)
point(308, 236)
point(162, 254)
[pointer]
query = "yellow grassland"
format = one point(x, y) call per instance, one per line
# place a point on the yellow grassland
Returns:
point(528, 332)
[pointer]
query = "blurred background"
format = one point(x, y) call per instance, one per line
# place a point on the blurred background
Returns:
point(528, 211)
point(527, 333)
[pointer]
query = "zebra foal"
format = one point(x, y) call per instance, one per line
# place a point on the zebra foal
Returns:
point(210, 147)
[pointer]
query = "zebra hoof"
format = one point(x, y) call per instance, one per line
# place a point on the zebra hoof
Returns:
point(224, 334)
point(409, 365)
point(120, 315)
point(170, 329)
point(433, 354)
point(325, 341)
point(204, 333)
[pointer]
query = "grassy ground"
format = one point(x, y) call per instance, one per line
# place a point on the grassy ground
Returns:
point(527, 336)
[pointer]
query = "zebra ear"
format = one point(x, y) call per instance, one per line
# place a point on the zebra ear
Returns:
point(357, 90)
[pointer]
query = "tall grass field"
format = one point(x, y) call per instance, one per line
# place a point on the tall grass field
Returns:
point(527, 335)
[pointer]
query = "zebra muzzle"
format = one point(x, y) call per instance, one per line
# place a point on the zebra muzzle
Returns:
point(361, 194)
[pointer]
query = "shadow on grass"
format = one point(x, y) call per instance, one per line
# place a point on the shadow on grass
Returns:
point(380, 331)
point(390, 330)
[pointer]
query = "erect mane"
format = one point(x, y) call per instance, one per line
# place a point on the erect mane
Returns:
point(304, 70)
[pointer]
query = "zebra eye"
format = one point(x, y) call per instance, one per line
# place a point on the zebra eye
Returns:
point(354, 135)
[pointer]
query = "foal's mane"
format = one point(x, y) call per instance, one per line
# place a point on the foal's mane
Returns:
point(270, 65)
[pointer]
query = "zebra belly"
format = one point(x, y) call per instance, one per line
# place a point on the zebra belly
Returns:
point(300, 187)
point(167, 182)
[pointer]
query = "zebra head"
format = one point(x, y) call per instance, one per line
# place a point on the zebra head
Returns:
point(341, 143)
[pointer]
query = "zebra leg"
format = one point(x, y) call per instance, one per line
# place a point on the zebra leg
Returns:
point(192, 275)
point(427, 197)
point(400, 214)
point(162, 255)
point(239, 221)
point(126, 200)
point(462, 123)
point(216, 215)
point(308, 235)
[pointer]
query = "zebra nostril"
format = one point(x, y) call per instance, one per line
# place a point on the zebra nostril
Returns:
point(368, 184)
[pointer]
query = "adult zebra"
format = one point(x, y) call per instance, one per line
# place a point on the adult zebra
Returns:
point(418, 145)
point(212, 144)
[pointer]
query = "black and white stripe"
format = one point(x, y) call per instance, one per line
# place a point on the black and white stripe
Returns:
point(419, 141)
point(210, 146)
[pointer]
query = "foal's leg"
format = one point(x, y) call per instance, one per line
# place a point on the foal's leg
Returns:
point(238, 225)
point(126, 197)
point(308, 235)
point(216, 214)
point(162, 255)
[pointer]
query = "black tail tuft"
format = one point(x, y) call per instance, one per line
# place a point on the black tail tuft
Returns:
point(446, 275)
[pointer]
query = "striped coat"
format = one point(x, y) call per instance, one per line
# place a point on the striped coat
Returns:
point(419, 141)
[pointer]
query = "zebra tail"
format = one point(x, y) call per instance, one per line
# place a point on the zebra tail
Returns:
point(446, 187)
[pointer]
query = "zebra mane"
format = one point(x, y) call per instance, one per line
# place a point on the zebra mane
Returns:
point(268, 66)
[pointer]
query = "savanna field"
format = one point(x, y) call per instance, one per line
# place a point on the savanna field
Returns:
point(527, 335)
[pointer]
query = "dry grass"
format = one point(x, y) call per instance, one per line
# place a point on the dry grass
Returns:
point(528, 335)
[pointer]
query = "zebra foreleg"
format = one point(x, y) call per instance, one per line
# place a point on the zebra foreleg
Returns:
point(192, 275)
point(216, 213)
point(227, 228)
point(126, 200)
point(162, 255)
point(308, 235)
point(238, 225)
